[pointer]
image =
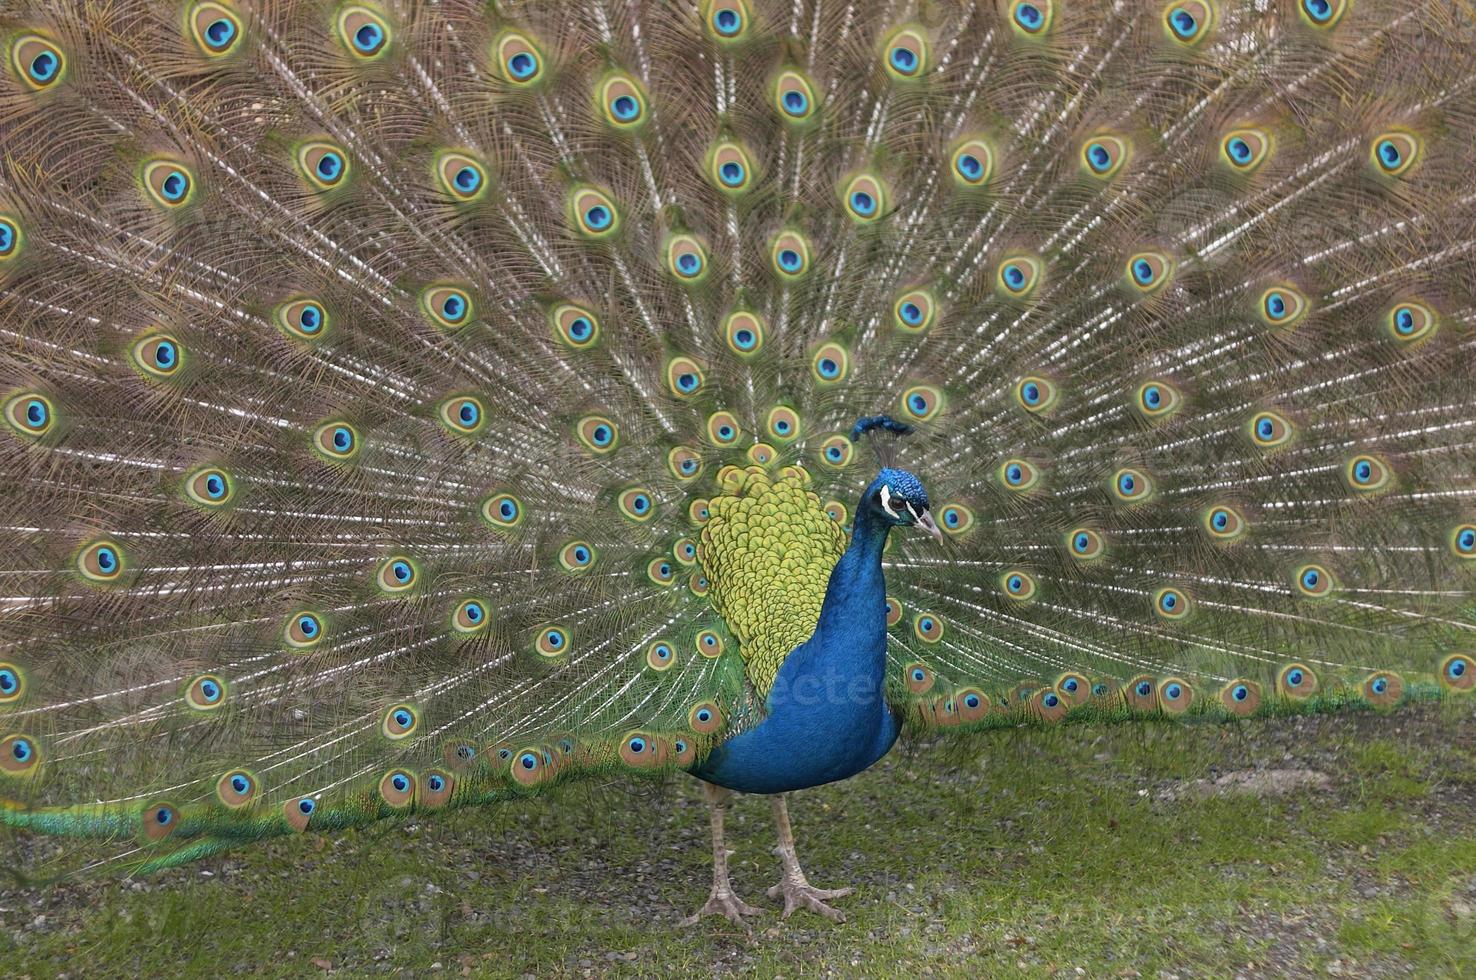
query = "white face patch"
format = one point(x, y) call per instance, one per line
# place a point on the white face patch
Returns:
point(886, 501)
point(915, 516)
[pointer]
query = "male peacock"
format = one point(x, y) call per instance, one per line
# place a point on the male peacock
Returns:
point(411, 405)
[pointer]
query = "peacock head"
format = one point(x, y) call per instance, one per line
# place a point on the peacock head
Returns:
point(897, 498)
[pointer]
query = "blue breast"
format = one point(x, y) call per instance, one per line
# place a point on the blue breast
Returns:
point(827, 713)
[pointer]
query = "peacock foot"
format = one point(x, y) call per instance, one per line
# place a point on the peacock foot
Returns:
point(723, 902)
point(800, 894)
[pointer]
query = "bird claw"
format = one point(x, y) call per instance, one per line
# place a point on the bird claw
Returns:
point(802, 894)
point(726, 904)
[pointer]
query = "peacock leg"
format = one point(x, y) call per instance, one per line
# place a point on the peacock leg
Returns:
point(797, 891)
point(721, 901)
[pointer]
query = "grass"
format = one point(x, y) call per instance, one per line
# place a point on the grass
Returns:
point(1348, 847)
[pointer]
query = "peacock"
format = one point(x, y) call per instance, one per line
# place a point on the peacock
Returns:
point(413, 405)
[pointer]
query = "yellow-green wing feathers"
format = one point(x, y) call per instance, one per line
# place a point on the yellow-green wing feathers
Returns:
point(768, 549)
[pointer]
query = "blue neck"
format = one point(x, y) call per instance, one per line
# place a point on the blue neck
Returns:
point(856, 597)
point(826, 715)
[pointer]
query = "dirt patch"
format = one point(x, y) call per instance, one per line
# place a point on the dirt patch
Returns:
point(1256, 782)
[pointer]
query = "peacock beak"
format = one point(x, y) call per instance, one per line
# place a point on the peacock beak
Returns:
point(925, 521)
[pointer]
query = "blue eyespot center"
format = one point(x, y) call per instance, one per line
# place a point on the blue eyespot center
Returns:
point(1143, 271)
point(436, 784)
point(528, 760)
point(330, 165)
point(308, 626)
point(107, 559)
point(1029, 16)
point(474, 612)
point(745, 339)
point(522, 65)
point(44, 66)
point(1183, 23)
point(1099, 157)
point(625, 108)
point(1318, 10)
point(36, 413)
point(343, 439)
point(306, 807)
point(731, 173)
point(310, 319)
point(1239, 149)
point(401, 571)
point(863, 203)
point(468, 179)
point(402, 718)
point(580, 328)
point(467, 413)
point(789, 260)
point(399, 782)
point(1031, 391)
point(21, 750)
point(1144, 689)
point(970, 167)
point(174, 185)
point(1389, 153)
point(904, 60)
point(220, 32)
point(598, 217)
point(368, 38)
point(727, 22)
point(239, 783)
point(795, 103)
point(912, 313)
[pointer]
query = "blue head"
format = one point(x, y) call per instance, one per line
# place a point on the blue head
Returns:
point(897, 498)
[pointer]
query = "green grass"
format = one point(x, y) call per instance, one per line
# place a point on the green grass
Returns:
point(1073, 851)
